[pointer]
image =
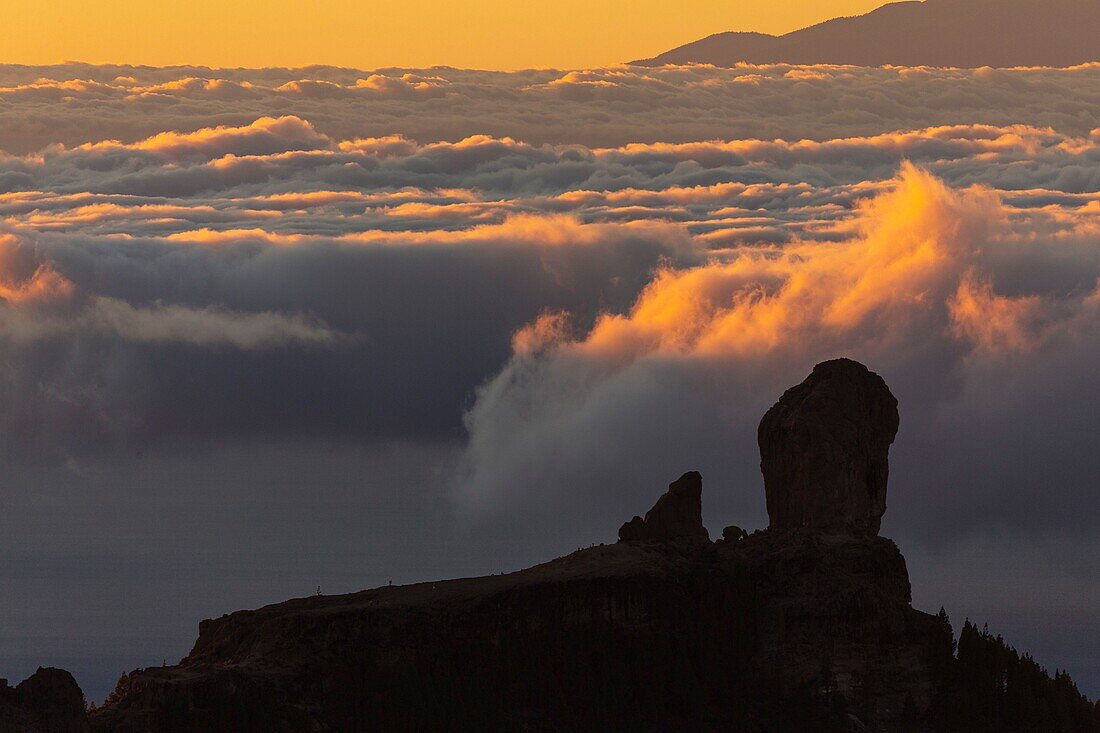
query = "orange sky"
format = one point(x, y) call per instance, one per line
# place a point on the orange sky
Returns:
point(493, 34)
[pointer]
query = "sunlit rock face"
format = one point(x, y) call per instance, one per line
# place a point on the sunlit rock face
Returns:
point(824, 450)
point(677, 515)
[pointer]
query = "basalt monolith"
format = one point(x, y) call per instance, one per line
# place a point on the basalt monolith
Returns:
point(824, 450)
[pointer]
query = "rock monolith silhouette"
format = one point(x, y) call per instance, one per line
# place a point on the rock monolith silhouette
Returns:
point(677, 515)
point(824, 450)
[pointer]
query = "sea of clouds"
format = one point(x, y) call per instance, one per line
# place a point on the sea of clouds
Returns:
point(268, 329)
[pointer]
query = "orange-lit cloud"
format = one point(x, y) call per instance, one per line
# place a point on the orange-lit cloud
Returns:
point(264, 136)
point(923, 273)
point(910, 246)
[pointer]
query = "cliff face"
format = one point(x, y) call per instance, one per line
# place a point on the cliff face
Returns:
point(768, 631)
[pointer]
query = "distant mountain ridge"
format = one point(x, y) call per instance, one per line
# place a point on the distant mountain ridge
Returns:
point(959, 33)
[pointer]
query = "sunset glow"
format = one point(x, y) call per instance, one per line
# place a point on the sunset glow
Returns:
point(488, 34)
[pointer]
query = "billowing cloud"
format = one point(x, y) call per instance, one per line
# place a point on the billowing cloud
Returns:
point(167, 324)
point(985, 325)
point(38, 303)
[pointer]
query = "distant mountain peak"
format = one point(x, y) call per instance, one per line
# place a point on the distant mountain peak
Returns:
point(961, 33)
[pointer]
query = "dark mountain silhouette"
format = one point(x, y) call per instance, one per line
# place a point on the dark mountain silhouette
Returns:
point(805, 626)
point(962, 33)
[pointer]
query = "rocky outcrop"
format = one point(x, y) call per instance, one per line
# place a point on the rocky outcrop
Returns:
point(762, 634)
point(677, 515)
point(824, 450)
point(776, 630)
point(49, 701)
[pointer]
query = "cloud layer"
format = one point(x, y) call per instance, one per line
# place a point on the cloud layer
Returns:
point(472, 315)
point(381, 252)
point(604, 107)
